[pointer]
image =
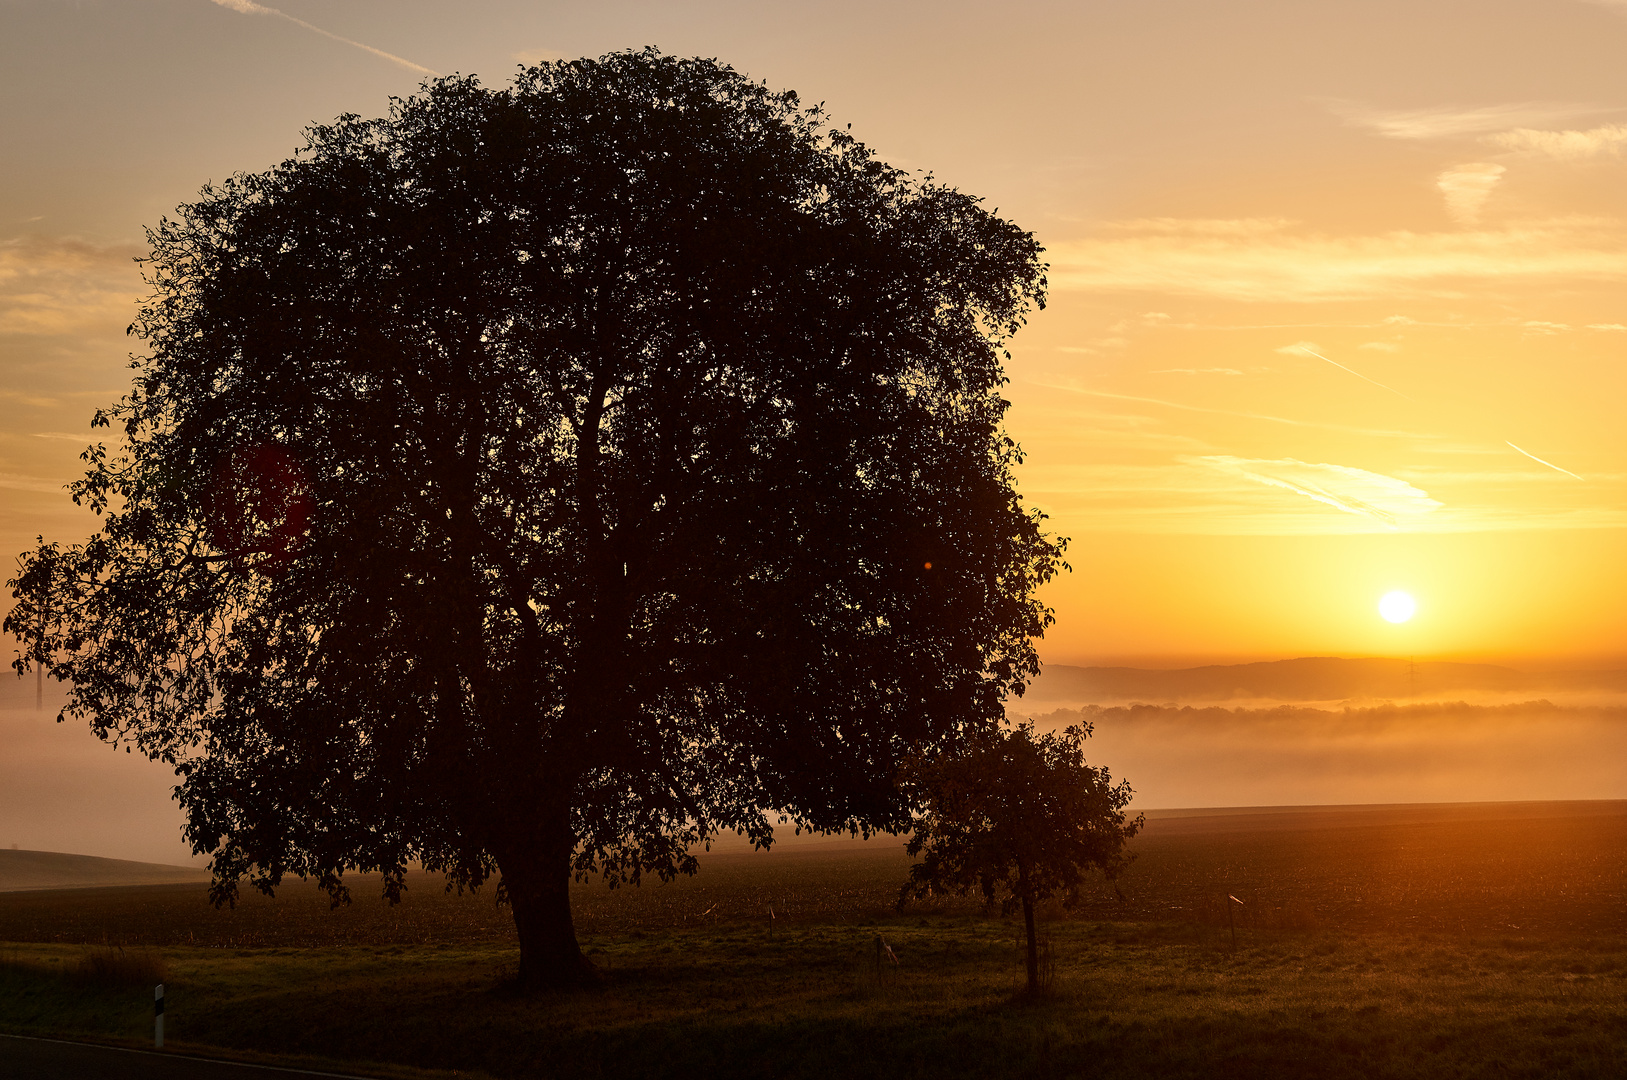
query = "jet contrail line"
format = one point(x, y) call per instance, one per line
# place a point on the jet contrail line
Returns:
point(1550, 464)
point(249, 7)
point(1312, 352)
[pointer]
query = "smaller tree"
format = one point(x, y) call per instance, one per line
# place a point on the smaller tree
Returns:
point(1021, 817)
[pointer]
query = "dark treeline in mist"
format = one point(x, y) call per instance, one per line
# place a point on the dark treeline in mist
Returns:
point(1310, 678)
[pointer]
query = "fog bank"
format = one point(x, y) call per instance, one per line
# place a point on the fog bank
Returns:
point(1299, 756)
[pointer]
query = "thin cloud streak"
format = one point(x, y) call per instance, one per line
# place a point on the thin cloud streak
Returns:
point(249, 7)
point(1343, 487)
point(1278, 268)
point(1306, 348)
point(17, 482)
point(1202, 492)
point(57, 286)
point(1233, 227)
point(1550, 464)
point(1375, 432)
point(1450, 121)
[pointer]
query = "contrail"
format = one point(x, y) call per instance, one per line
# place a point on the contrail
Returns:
point(1550, 464)
point(249, 7)
point(1308, 351)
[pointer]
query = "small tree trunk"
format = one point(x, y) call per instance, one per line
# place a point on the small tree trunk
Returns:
point(537, 879)
point(1033, 945)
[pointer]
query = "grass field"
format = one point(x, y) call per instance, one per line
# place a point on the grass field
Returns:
point(1399, 941)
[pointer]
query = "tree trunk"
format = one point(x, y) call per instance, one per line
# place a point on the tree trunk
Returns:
point(1033, 945)
point(537, 879)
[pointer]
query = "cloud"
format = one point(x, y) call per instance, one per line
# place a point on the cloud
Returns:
point(1607, 140)
point(1283, 267)
point(1190, 496)
point(1313, 350)
point(1349, 490)
point(1467, 187)
point(23, 397)
point(54, 286)
point(1453, 121)
point(1168, 488)
point(1614, 326)
point(1202, 227)
point(16, 482)
point(1379, 433)
point(1539, 461)
point(1379, 346)
point(249, 7)
point(538, 56)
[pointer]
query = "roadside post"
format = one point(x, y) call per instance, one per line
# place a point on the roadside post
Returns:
point(158, 1016)
point(1230, 900)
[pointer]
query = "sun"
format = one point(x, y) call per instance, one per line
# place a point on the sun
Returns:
point(1397, 606)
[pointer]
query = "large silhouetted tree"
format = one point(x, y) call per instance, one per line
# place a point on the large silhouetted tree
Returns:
point(1022, 818)
point(537, 481)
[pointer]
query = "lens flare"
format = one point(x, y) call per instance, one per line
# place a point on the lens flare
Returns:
point(1397, 607)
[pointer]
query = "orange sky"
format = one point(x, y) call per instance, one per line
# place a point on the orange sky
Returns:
point(1320, 271)
point(1317, 270)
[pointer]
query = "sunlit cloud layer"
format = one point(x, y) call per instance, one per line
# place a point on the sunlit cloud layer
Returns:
point(13, 482)
point(1467, 187)
point(1347, 489)
point(1381, 433)
point(1607, 140)
point(1451, 121)
point(1278, 266)
point(61, 286)
point(1175, 490)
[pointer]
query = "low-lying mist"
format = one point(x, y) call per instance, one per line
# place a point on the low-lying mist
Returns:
point(1284, 755)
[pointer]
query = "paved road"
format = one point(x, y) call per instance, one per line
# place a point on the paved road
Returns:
point(50, 1059)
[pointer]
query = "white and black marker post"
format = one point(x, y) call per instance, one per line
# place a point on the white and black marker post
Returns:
point(158, 1016)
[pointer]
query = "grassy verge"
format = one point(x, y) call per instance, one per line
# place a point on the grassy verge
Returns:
point(1130, 1000)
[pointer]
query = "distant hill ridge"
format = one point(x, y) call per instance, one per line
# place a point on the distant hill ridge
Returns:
point(25, 871)
point(1308, 678)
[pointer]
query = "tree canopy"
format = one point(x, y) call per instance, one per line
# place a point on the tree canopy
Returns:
point(537, 481)
point(1021, 818)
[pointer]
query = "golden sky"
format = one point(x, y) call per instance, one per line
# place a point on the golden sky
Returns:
point(1337, 289)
